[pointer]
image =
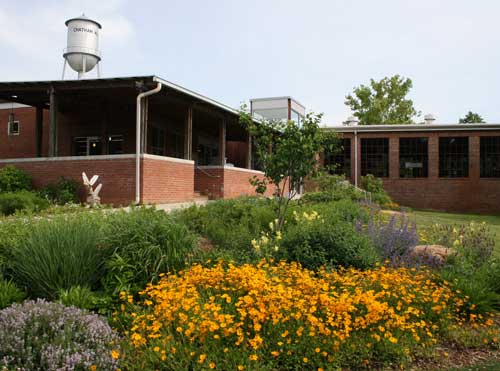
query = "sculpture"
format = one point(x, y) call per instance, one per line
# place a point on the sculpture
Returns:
point(93, 198)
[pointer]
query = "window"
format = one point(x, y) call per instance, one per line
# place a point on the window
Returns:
point(413, 157)
point(490, 157)
point(158, 143)
point(115, 144)
point(14, 128)
point(87, 146)
point(295, 116)
point(375, 156)
point(175, 144)
point(340, 162)
point(454, 157)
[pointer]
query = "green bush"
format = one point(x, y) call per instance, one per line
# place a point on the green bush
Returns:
point(59, 253)
point(318, 243)
point(376, 187)
point(63, 192)
point(231, 224)
point(333, 188)
point(13, 179)
point(10, 202)
point(9, 293)
point(77, 296)
point(144, 243)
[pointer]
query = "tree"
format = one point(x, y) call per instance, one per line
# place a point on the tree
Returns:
point(471, 118)
point(384, 102)
point(287, 153)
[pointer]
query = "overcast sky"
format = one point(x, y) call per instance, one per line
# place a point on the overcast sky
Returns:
point(315, 51)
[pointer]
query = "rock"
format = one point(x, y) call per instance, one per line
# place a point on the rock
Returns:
point(436, 252)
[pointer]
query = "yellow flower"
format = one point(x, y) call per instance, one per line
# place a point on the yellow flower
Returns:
point(115, 354)
point(305, 360)
point(241, 368)
point(211, 365)
point(253, 357)
point(93, 368)
point(202, 358)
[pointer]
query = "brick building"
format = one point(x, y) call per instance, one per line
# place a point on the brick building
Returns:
point(431, 166)
point(150, 140)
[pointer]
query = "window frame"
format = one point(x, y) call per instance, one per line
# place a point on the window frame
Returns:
point(342, 158)
point(483, 157)
point(9, 128)
point(382, 169)
point(445, 172)
point(419, 155)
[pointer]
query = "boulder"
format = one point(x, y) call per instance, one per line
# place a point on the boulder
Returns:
point(438, 253)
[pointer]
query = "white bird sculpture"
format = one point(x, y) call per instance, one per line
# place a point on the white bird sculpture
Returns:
point(93, 198)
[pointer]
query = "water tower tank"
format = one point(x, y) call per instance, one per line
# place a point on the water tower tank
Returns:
point(82, 51)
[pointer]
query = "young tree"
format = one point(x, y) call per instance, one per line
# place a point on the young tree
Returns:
point(288, 153)
point(471, 118)
point(384, 102)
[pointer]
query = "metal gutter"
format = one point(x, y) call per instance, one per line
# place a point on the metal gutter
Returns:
point(412, 128)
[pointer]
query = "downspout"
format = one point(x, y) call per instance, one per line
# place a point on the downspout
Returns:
point(355, 158)
point(138, 119)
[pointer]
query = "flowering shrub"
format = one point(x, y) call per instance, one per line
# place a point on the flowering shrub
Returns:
point(39, 335)
point(284, 317)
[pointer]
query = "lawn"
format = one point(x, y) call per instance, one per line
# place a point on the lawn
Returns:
point(426, 218)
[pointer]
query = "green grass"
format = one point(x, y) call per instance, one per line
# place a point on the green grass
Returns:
point(427, 218)
point(489, 366)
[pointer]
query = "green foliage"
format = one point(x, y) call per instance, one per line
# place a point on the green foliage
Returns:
point(9, 293)
point(376, 188)
point(13, 179)
point(292, 156)
point(78, 296)
point(59, 253)
point(471, 118)
point(11, 202)
point(230, 224)
point(63, 192)
point(144, 243)
point(327, 242)
point(384, 102)
point(332, 188)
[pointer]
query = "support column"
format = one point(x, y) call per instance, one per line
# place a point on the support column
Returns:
point(188, 135)
point(249, 151)
point(53, 124)
point(394, 157)
point(474, 158)
point(433, 162)
point(39, 130)
point(222, 142)
point(144, 124)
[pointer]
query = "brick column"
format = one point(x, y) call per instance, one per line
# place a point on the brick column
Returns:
point(474, 157)
point(53, 124)
point(394, 157)
point(433, 164)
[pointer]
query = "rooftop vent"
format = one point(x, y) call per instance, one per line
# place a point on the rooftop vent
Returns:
point(351, 121)
point(429, 119)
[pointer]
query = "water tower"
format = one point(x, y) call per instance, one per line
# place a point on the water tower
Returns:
point(82, 51)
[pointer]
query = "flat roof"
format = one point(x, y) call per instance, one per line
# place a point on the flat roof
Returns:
point(412, 127)
point(14, 90)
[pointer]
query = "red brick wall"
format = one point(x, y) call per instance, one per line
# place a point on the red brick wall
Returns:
point(216, 182)
point(167, 180)
point(24, 144)
point(117, 176)
point(471, 194)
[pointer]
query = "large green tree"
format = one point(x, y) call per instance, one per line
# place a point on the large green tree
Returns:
point(383, 102)
point(471, 118)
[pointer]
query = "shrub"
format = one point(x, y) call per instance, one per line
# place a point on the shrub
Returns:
point(10, 202)
point(63, 192)
point(316, 242)
point(9, 293)
point(143, 243)
point(13, 179)
point(284, 317)
point(337, 187)
point(38, 335)
point(376, 188)
point(80, 297)
point(59, 253)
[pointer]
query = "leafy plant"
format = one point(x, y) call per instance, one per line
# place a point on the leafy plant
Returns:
point(471, 118)
point(13, 179)
point(78, 296)
point(63, 192)
point(143, 243)
point(376, 188)
point(59, 253)
point(38, 335)
point(11, 202)
point(9, 293)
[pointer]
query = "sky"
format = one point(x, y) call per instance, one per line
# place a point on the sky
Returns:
point(316, 51)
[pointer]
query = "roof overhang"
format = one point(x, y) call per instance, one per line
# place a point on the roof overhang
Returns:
point(412, 128)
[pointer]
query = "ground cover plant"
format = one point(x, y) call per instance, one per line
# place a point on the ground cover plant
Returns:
point(269, 316)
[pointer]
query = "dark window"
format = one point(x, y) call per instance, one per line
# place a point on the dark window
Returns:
point(490, 157)
point(413, 157)
point(87, 146)
point(454, 157)
point(375, 156)
point(340, 162)
point(158, 142)
point(14, 127)
point(115, 144)
point(175, 144)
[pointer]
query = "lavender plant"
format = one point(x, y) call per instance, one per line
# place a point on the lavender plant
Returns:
point(40, 335)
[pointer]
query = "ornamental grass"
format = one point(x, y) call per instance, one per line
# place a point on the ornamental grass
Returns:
point(280, 316)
